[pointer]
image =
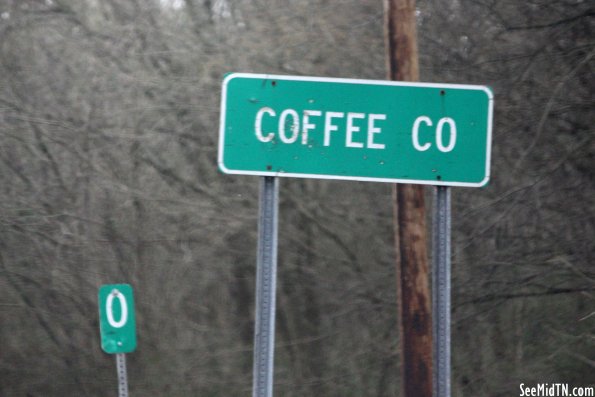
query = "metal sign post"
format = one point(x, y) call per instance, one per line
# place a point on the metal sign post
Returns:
point(441, 291)
point(122, 376)
point(266, 281)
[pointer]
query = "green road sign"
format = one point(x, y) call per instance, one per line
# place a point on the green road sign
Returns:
point(116, 318)
point(368, 130)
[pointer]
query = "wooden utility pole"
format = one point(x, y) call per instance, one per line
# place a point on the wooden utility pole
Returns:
point(415, 325)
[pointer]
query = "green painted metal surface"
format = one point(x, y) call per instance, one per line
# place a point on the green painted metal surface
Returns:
point(437, 134)
point(117, 322)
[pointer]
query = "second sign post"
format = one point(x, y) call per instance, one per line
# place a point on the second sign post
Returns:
point(117, 325)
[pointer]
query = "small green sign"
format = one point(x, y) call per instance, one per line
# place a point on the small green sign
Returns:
point(385, 131)
point(117, 323)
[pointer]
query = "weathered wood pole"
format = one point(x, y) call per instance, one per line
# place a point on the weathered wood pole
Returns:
point(415, 319)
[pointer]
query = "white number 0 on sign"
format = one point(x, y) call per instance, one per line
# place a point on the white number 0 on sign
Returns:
point(115, 294)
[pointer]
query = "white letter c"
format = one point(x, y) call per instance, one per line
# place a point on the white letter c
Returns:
point(415, 133)
point(258, 125)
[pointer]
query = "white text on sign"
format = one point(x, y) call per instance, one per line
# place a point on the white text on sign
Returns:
point(438, 134)
point(353, 124)
point(109, 309)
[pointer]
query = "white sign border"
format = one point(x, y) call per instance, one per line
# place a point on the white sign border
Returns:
point(232, 76)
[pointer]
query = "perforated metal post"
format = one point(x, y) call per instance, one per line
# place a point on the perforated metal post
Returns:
point(122, 376)
point(441, 291)
point(266, 281)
